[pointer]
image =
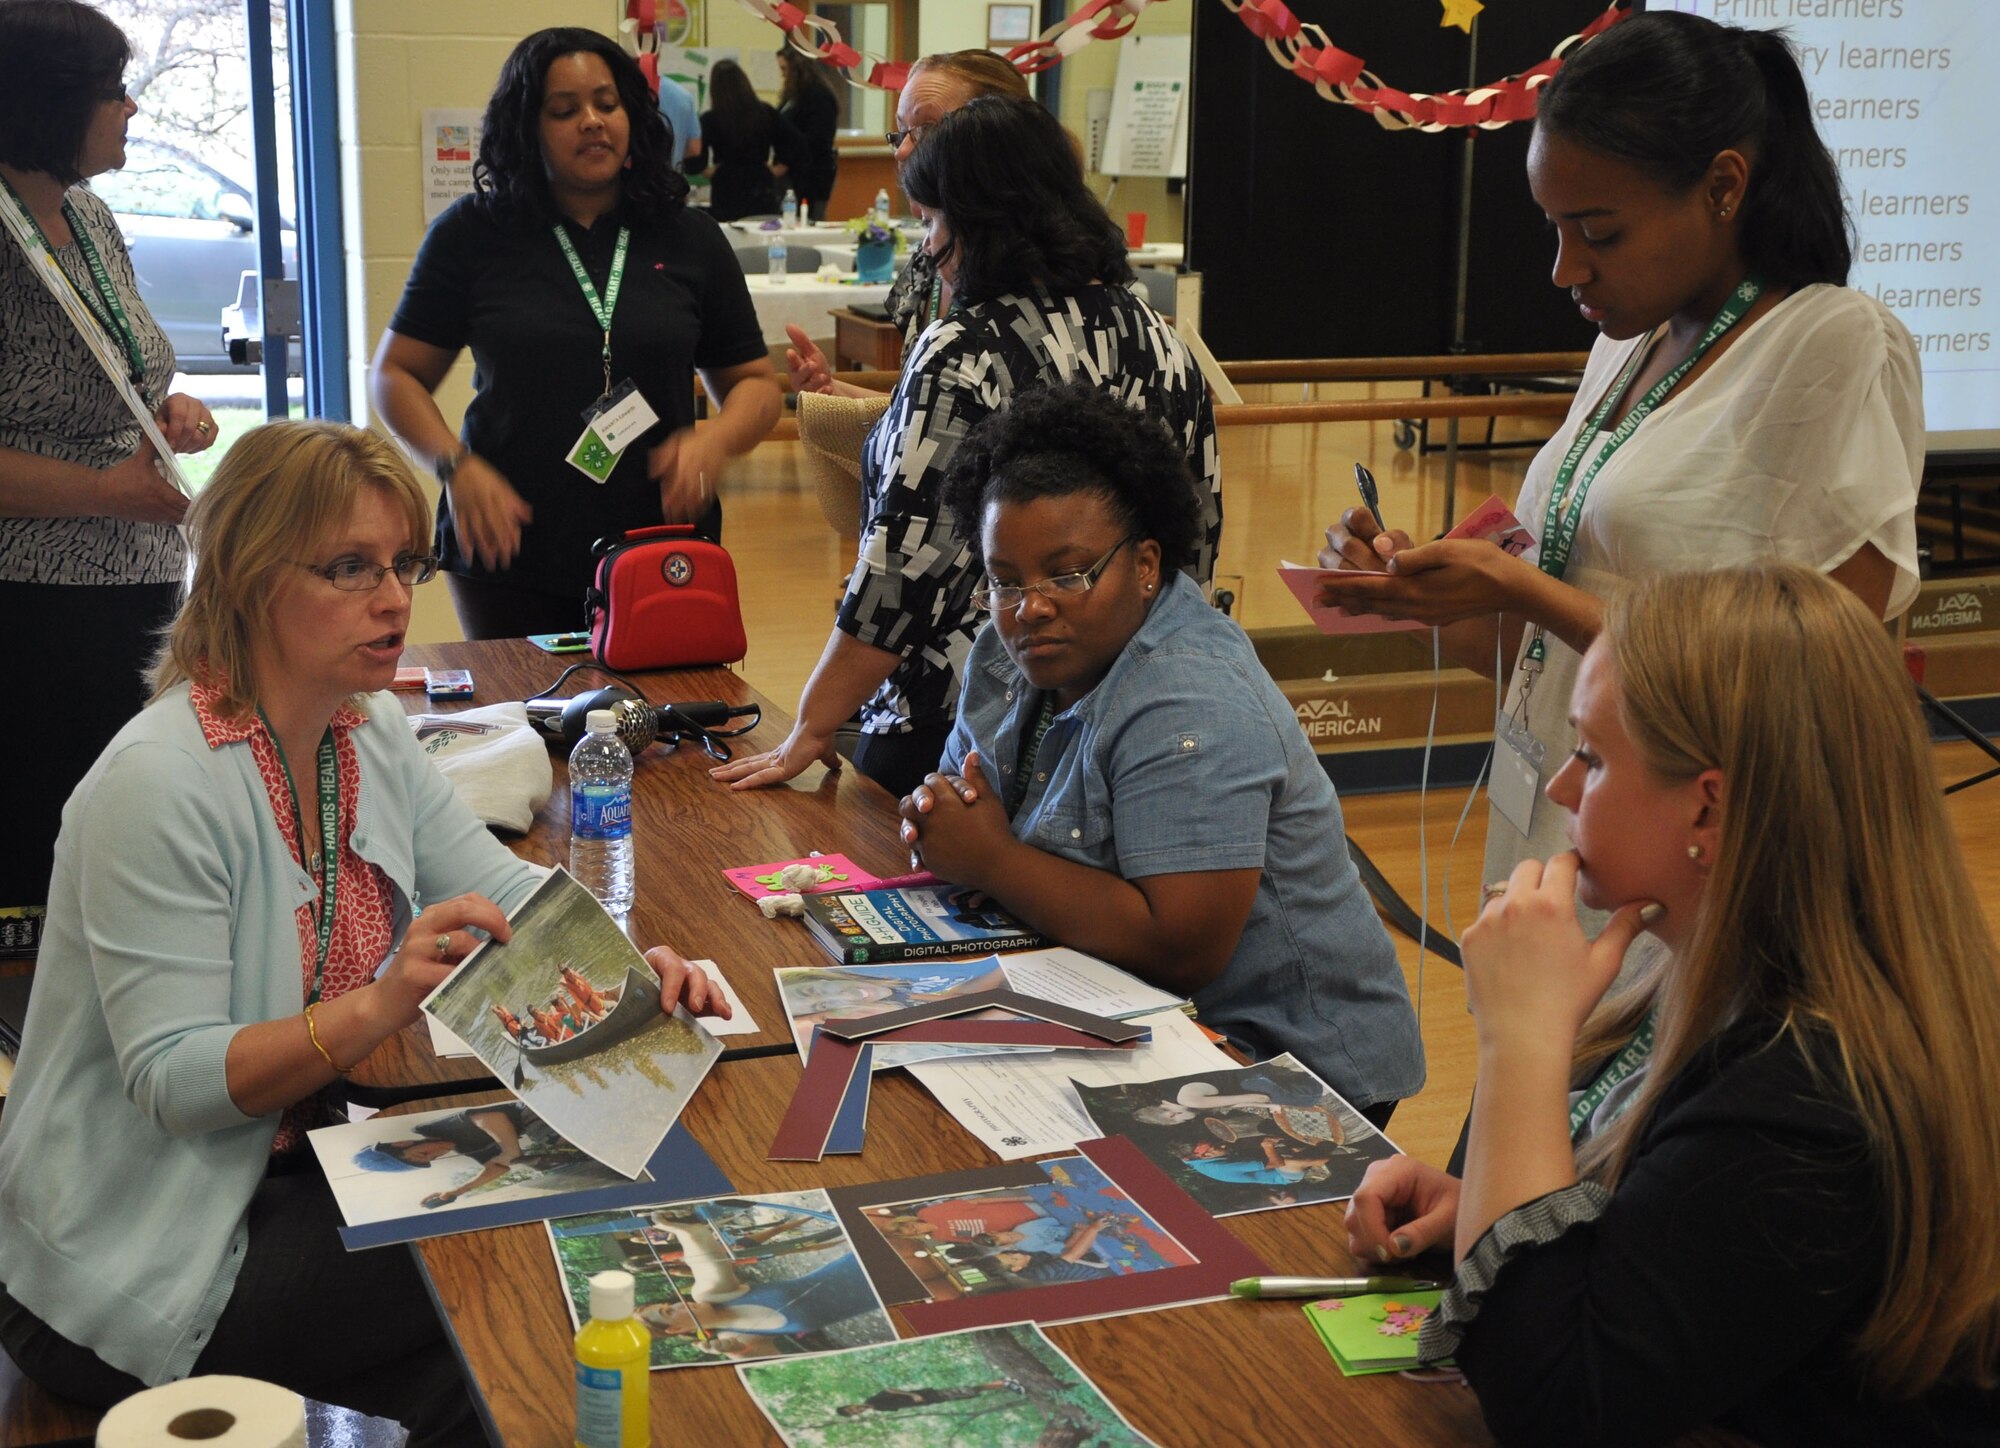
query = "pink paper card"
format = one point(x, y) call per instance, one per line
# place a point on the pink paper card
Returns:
point(1492, 522)
point(757, 881)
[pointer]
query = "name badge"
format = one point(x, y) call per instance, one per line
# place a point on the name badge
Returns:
point(611, 425)
point(1517, 773)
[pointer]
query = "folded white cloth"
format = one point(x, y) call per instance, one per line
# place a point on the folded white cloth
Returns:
point(495, 759)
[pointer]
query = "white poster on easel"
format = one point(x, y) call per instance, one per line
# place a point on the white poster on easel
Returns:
point(689, 69)
point(1147, 131)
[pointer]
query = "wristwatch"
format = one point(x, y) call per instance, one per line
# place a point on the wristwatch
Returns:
point(448, 464)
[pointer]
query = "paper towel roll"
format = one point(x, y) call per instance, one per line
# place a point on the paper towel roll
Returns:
point(220, 1412)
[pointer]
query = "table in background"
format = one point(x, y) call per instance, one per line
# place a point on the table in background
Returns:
point(1244, 1373)
point(803, 300)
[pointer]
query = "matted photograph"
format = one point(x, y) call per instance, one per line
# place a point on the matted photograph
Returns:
point(729, 1279)
point(815, 994)
point(567, 1013)
point(1246, 1140)
point(1095, 1234)
point(432, 1173)
point(992, 1387)
point(1067, 1223)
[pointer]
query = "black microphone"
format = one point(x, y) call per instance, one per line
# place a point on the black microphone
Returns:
point(566, 721)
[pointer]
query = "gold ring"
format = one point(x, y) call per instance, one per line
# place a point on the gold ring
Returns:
point(443, 944)
point(201, 427)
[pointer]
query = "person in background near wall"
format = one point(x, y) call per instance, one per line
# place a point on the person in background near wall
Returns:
point(1741, 401)
point(937, 85)
point(749, 146)
point(90, 562)
point(1043, 298)
point(574, 269)
point(1732, 1190)
point(811, 108)
point(683, 122)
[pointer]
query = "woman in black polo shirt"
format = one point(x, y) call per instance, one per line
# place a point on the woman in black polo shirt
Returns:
point(574, 184)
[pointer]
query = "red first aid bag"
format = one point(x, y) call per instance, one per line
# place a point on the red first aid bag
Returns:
point(664, 599)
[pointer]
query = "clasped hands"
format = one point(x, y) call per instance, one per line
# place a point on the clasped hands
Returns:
point(1384, 572)
point(954, 824)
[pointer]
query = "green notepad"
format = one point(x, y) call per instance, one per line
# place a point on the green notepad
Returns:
point(1372, 1334)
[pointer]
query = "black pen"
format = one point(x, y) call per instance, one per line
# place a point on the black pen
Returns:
point(1365, 481)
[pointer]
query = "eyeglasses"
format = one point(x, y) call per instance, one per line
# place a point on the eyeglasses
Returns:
point(896, 138)
point(115, 92)
point(358, 575)
point(997, 597)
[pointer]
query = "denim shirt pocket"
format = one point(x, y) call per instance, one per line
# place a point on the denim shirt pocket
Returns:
point(1076, 832)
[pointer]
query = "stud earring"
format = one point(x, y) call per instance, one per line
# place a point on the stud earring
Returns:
point(1724, 213)
point(1694, 852)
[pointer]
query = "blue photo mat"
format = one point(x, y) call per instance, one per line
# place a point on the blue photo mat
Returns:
point(680, 1169)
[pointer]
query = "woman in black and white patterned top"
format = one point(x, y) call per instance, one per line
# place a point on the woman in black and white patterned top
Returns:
point(1040, 277)
point(90, 559)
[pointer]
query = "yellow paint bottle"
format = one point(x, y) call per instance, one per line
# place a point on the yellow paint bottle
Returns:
point(613, 1361)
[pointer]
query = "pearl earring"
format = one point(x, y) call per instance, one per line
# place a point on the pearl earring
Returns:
point(1694, 852)
point(1724, 213)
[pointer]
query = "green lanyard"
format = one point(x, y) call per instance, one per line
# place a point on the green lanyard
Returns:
point(1031, 748)
point(1565, 509)
point(329, 836)
point(102, 300)
point(600, 307)
point(1621, 1068)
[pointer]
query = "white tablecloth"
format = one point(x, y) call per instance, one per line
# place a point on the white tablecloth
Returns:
point(805, 302)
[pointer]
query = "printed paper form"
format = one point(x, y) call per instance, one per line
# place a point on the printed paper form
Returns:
point(1023, 1106)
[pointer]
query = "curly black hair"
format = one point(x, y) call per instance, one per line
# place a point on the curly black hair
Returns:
point(511, 178)
point(1076, 438)
point(1009, 182)
point(59, 61)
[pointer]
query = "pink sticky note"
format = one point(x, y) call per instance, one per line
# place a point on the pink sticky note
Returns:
point(1492, 522)
point(757, 881)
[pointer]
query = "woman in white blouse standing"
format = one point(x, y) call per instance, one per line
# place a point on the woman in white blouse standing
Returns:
point(1741, 402)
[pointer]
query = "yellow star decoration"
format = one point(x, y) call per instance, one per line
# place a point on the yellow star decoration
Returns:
point(1460, 13)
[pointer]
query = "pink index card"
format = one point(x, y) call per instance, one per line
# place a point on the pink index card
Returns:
point(1492, 522)
point(757, 881)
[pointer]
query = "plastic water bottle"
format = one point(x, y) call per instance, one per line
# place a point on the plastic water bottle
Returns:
point(775, 257)
point(600, 813)
point(613, 1358)
point(882, 206)
point(790, 209)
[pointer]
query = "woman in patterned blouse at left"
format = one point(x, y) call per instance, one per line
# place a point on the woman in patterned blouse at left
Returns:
point(89, 558)
point(255, 885)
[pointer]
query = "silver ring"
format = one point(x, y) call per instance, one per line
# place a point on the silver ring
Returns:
point(443, 945)
point(1492, 891)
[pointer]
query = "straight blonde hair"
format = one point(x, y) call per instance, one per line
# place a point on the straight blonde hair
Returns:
point(1837, 904)
point(273, 502)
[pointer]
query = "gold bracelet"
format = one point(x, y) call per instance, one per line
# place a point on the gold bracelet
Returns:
point(313, 1031)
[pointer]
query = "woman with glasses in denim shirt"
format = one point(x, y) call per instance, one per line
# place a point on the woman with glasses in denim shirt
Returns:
point(255, 885)
point(1125, 777)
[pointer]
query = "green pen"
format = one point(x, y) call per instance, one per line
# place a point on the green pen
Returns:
point(1253, 1288)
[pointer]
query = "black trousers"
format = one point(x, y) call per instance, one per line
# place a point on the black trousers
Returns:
point(88, 644)
point(356, 1329)
point(899, 762)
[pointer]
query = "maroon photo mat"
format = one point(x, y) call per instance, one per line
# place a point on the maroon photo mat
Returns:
point(816, 1101)
point(1220, 1257)
point(1103, 1027)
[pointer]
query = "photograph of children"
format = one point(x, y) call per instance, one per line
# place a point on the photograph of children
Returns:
point(1246, 1140)
point(548, 1012)
point(729, 1279)
point(1068, 1223)
point(992, 1387)
point(813, 994)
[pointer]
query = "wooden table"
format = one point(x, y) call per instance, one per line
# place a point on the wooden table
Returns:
point(864, 344)
point(1223, 1373)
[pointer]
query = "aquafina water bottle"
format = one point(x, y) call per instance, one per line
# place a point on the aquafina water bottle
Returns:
point(600, 813)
